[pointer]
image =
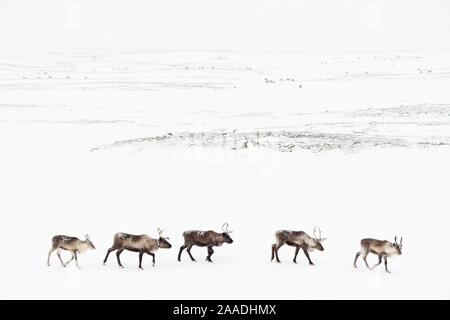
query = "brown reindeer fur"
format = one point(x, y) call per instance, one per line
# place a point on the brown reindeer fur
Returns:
point(207, 239)
point(297, 239)
point(382, 248)
point(136, 243)
point(72, 244)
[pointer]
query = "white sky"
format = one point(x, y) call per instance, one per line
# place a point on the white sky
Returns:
point(311, 25)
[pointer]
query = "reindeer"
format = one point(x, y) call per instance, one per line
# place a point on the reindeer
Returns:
point(382, 248)
point(72, 244)
point(137, 243)
point(207, 239)
point(299, 240)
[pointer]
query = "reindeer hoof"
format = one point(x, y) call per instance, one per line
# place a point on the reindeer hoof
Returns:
point(121, 267)
point(387, 271)
point(294, 261)
point(311, 264)
point(140, 268)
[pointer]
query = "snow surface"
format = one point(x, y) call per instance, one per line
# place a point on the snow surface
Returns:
point(102, 141)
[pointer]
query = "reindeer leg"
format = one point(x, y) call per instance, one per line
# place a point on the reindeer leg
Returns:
point(118, 257)
point(141, 253)
point(107, 253)
point(210, 252)
point(181, 250)
point(305, 251)
point(76, 259)
point(153, 255)
point(379, 261)
point(70, 259)
point(385, 264)
point(277, 247)
point(188, 249)
point(365, 259)
point(296, 253)
point(49, 253)
point(58, 253)
point(273, 251)
point(356, 258)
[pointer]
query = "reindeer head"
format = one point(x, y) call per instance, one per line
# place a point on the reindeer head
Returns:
point(89, 242)
point(398, 246)
point(226, 233)
point(318, 239)
point(163, 243)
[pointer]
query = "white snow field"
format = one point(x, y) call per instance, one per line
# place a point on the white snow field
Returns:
point(102, 141)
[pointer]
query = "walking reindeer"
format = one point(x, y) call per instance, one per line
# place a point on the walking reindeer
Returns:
point(299, 240)
point(382, 248)
point(207, 239)
point(137, 243)
point(72, 244)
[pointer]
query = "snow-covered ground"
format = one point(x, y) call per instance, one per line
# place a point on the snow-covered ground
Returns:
point(98, 141)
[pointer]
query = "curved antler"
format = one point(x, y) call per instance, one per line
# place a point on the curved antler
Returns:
point(160, 232)
point(87, 237)
point(225, 228)
point(320, 233)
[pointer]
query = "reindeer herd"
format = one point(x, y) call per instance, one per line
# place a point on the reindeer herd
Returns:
point(209, 239)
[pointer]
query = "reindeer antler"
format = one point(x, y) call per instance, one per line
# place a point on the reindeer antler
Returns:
point(225, 229)
point(320, 233)
point(401, 240)
point(160, 231)
point(87, 237)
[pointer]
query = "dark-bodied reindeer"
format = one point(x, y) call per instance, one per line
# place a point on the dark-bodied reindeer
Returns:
point(72, 244)
point(207, 239)
point(382, 248)
point(137, 243)
point(299, 240)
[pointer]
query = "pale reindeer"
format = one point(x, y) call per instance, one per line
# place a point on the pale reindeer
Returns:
point(137, 243)
point(207, 239)
point(72, 244)
point(299, 240)
point(382, 248)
